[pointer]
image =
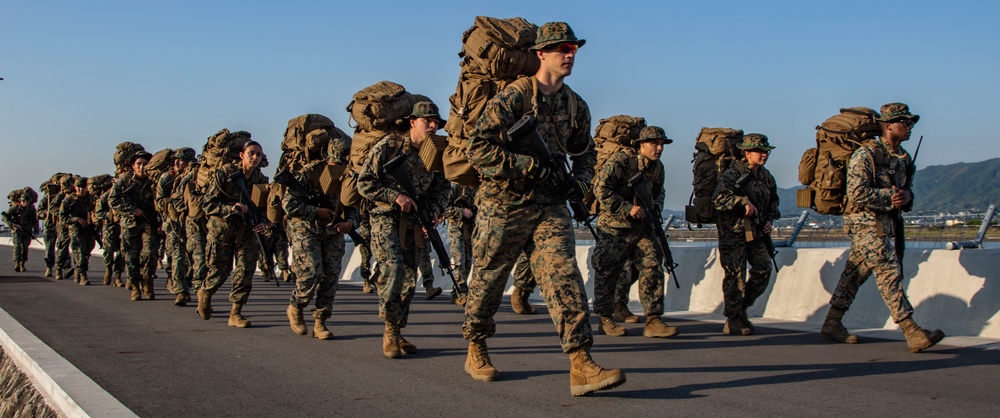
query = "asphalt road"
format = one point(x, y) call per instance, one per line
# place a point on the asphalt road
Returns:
point(163, 360)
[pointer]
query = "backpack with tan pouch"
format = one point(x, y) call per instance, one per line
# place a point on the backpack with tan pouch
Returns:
point(824, 168)
point(495, 52)
point(612, 134)
point(715, 150)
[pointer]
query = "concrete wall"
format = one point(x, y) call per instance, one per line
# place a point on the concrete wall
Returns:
point(956, 291)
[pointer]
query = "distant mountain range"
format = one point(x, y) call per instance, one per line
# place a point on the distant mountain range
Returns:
point(939, 188)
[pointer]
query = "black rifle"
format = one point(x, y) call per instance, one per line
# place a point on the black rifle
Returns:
point(757, 221)
point(652, 217)
point(898, 231)
point(148, 212)
point(526, 130)
point(396, 168)
point(320, 200)
point(253, 217)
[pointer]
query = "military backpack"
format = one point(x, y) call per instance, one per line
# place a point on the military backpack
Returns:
point(824, 168)
point(715, 150)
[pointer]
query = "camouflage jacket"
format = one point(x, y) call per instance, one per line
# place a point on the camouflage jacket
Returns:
point(221, 195)
point(184, 191)
point(42, 210)
point(74, 208)
point(379, 187)
point(871, 172)
point(616, 198)
point(130, 193)
point(102, 210)
point(460, 198)
point(24, 219)
point(164, 189)
point(730, 201)
point(297, 206)
point(503, 163)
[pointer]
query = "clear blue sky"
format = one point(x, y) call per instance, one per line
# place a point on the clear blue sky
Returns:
point(81, 77)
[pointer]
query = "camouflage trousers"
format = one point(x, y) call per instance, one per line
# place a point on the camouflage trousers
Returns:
point(614, 247)
point(523, 279)
point(82, 242)
point(20, 241)
point(139, 244)
point(426, 270)
point(63, 239)
point(114, 260)
point(365, 251)
point(318, 252)
point(460, 243)
point(179, 279)
point(49, 236)
point(629, 276)
point(197, 231)
point(228, 241)
point(278, 240)
point(738, 291)
point(502, 234)
point(872, 254)
point(398, 257)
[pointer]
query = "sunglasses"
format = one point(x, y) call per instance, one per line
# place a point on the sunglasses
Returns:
point(565, 48)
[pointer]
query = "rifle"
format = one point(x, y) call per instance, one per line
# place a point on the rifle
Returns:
point(899, 233)
point(90, 229)
point(526, 129)
point(655, 222)
point(253, 217)
point(757, 221)
point(320, 200)
point(148, 212)
point(396, 168)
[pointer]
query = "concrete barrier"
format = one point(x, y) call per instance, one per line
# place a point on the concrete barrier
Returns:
point(956, 291)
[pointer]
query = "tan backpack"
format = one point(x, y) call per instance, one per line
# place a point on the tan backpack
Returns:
point(495, 52)
point(222, 148)
point(123, 152)
point(306, 139)
point(160, 163)
point(614, 133)
point(824, 168)
point(715, 151)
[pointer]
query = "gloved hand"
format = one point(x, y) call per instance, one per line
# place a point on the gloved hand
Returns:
point(578, 189)
point(537, 172)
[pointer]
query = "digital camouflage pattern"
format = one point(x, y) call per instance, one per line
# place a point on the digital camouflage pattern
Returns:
point(75, 215)
point(317, 251)
point(397, 243)
point(553, 33)
point(49, 233)
point(175, 242)
point(229, 238)
point(114, 260)
point(869, 193)
point(621, 237)
point(425, 266)
point(893, 111)
point(515, 212)
point(738, 290)
point(195, 227)
point(365, 230)
point(63, 239)
point(140, 235)
point(459, 230)
point(523, 278)
point(22, 219)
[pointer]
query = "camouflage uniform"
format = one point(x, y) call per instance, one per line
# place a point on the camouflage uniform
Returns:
point(735, 249)
point(869, 221)
point(318, 250)
point(621, 237)
point(524, 281)
point(396, 241)
point(49, 233)
point(459, 231)
point(23, 223)
point(516, 212)
point(76, 208)
point(184, 196)
point(179, 276)
point(229, 236)
point(365, 230)
point(277, 236)
point(140, 235)
point(111, 239)
point(63, 239)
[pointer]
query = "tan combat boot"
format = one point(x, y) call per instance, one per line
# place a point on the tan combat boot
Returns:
point(478, 364)
point(107, 277)
point(431, 292)
point(390, 342)
point(735, 327)
point(366, 287)
point(656, 328)
point(84, 281)
point(623, 314)
point(405, 346)
point(519, 302)
point(59, 273)
point(585, 376)
point(236, 318)
point(319, 329)
point(919, 339)
point(136, 294)
point(834, 330)
point(286, 276)
point(295, 320)
point(745, 319)
point(204, 304)
point(48, 272)
point(181, 299)
point(460, 300)
point(147, 288)
point(611, 328)
point(118, 279)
